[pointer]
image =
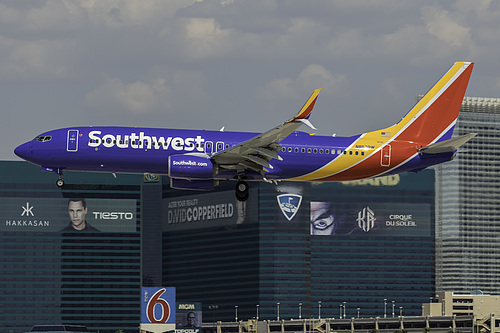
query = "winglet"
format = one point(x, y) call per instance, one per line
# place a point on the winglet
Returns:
point(306, 110)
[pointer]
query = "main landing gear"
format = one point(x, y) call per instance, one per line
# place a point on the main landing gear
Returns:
point(60, 181)
point(242, 191)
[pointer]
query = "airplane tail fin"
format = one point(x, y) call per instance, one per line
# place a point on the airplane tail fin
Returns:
point(434, 117)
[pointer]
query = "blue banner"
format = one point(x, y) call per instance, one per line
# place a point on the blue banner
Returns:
point(157, 305)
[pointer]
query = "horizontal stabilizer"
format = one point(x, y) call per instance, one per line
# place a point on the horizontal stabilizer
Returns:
point(447, 145)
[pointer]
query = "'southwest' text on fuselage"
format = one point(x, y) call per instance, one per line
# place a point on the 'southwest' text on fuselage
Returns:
point(142, 141)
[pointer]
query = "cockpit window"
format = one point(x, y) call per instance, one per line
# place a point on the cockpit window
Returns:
point(43, 138)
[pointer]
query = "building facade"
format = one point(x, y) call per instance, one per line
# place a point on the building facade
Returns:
point(295, 250)
point(477, 305)
point(304, 250)
point(53, 275)
point(468, 204)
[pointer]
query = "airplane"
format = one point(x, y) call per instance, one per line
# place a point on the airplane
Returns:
point(201, 159)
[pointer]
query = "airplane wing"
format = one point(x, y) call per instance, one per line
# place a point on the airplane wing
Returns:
point(447, 145)
point(256, 153)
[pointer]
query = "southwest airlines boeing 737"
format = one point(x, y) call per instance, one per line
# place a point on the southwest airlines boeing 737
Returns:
point(200, 159)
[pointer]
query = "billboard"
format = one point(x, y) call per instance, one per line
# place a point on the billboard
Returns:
point(370, 218)
point(188, 317)
point(385, 206)
point(208, 210)
point(68, 215)
point(158, 305)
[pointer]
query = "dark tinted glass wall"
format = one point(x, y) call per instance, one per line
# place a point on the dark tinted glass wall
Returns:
point(308, 250)
point(383, 257)
point(211, 251)
point(51, 274)
point(295, 249)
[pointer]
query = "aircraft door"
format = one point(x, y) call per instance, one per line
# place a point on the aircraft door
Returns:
point(385, 159)
point(72, 144)
point(209, 147)
point(220, 146)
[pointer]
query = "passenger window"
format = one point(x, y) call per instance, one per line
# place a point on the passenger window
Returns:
point(303, 150)
point(350, 152)
point(289, 149)
point(357, 152)
point(327, 151)
point(283, 149)
point(308, 150)
point(362, 153)
point(321, 151)
point(296, 150)
point(315, 150)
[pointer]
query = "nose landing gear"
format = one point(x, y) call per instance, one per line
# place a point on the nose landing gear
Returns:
point(60, 181)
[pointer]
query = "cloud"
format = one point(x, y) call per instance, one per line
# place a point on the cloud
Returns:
point(204, 38)
point(312, 77)
point(443, 26)
point(136, 98)
point(35, 61)
point(200, 63)
point(110, 14)
point(178, 92)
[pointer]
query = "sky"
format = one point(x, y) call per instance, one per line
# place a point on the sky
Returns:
point(239, 64)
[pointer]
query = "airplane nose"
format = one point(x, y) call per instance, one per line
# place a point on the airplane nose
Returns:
point(22, 151)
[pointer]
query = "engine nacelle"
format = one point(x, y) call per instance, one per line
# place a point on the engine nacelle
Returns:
point(190, 167)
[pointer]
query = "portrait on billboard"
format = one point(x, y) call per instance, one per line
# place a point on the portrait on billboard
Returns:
point(188, 315)
point(77, 210)
point(328, 218)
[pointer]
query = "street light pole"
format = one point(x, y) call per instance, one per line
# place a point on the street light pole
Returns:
point(392, 309)
point(358, 312)
point(257, 306)
point(319, 309)
point(344, 310)
point(236, 313)
point(385, 307)
point(278, 311)
point(300, 310)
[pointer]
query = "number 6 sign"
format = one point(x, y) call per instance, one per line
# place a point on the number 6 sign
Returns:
point(158, 305)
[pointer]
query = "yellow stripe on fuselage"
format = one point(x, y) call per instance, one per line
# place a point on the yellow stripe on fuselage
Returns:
point(345, 161)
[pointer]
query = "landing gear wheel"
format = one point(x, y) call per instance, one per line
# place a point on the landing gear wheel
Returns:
point(60, 182)
point(242, 191)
